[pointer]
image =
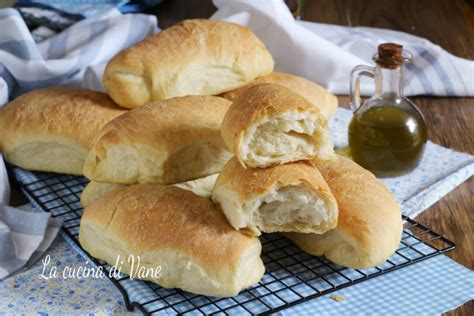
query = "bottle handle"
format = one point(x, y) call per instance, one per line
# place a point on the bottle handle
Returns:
point(356, 73)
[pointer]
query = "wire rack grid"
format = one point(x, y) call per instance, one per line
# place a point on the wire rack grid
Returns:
point(292, 276)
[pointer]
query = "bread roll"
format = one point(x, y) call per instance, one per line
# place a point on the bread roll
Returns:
point(94, 190)
point(185, 234)
point(271, 125)
point(194, 57)
point(370, 221)
point(287, 198)
point(168, 142)
point(52, 129)
point(314, 93)
point(202, 187)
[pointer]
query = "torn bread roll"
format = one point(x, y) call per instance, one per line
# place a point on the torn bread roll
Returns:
point(326, 102)
point(284, 198)
point(271, 125)
point(167, 141)
point(370, 225)
point(168, 227)
point(193, 57)
point(94, 190)
point(52, 129)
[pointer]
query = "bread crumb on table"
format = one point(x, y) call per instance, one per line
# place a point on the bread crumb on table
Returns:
point(338, 298)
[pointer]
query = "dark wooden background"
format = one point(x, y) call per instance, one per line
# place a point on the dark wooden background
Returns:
point(448, 23)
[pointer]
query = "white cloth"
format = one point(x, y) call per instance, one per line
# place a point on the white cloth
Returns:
point(327, 53)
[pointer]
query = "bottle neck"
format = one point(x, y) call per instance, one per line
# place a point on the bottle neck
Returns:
point(389, 82)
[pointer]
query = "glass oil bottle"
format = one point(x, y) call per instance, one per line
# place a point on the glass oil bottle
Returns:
point(387, 134)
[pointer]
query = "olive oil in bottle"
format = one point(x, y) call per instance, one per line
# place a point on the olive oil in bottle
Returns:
point(387, 134)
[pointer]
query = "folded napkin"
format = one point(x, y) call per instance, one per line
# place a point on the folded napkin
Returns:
point(59, 60)
point(327, 53)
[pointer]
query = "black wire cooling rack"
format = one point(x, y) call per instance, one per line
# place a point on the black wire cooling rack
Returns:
point(291, 276)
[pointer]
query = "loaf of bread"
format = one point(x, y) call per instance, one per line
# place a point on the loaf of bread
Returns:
point(184, 234)
point(271, 125)
point(314, 93)
point(167, 141)
point(52, 129)
point(370, 225)
point(94, 190)
point(194, 57)
point(286, 198)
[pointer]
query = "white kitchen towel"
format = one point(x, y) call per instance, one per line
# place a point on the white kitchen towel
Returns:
point(327, 53)
point(59, 60)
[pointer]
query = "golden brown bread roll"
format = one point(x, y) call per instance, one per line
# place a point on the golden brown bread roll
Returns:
point(271, 125)
point(287, 198)
point(185, 234)
point(167, 141)
point(94, 190)
point(314, 93)
point(52, 129)
point(370, 225)
point(194, 57)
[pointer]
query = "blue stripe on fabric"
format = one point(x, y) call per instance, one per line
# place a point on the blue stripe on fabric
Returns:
point(5, 13)
point(458, 74)
point(24, 222)
point(9, 79)
point(88, 53)
point(13, 265)
point(57, 45)
point(420, 74)
point(433, 61)
point(4, 230)
point(25, 86)
point(136, 23)
point(22, 49)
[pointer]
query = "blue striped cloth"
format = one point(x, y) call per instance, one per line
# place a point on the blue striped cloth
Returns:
point(89, 8)
point(63, 58)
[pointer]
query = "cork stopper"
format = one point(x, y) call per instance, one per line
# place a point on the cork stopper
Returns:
point(390, 55)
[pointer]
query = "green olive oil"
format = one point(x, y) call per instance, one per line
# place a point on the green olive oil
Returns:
point(387, 139)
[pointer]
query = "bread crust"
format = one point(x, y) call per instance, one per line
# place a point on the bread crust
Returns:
point(94, 190)
point(51, 129)
point(163, 224)
point(326, 102)
point(257, 104)
point(167, 141)
point(193, 57)
point(370, 225)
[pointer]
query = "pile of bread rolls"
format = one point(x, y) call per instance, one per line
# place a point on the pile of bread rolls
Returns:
point(197, 148)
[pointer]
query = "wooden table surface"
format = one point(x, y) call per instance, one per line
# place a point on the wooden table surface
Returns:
point(448, 23)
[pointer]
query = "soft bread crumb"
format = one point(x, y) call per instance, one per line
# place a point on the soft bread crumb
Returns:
point(338, 298)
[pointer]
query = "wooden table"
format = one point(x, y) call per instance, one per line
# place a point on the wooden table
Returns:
point(448, 23)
